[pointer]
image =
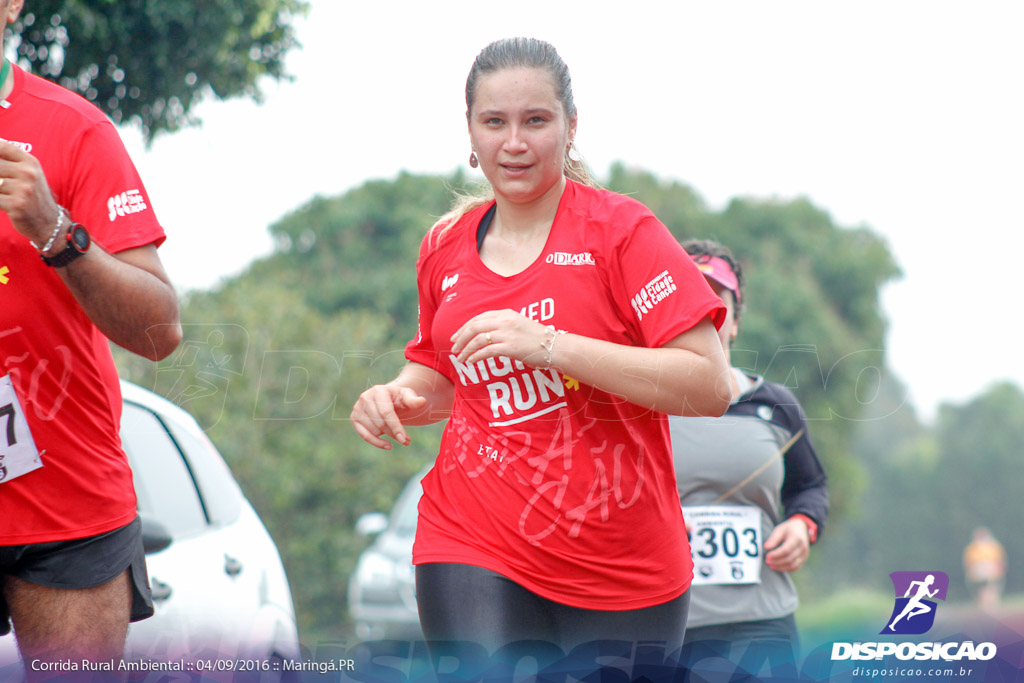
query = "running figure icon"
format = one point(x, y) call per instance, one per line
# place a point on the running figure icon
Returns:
point(914, 606)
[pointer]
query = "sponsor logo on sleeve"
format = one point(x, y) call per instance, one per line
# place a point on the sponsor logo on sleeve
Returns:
point(652, 294)
point(125, 204)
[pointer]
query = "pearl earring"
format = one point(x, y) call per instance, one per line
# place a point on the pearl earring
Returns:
point(572, 152)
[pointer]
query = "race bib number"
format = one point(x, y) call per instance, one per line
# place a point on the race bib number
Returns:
point(725, 541)
point(18, 454)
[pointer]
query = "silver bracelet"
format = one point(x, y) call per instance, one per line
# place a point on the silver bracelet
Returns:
point(550, 333)
point(56, 231)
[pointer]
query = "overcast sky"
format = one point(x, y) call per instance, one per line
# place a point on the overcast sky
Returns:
point(905, 117)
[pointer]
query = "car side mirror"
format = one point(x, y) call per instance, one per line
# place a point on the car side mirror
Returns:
point(371, 524)
point(155, 536)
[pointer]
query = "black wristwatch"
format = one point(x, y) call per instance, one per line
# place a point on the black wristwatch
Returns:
point(77, 244)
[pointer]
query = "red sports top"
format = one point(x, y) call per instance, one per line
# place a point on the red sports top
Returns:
point(561, 487)
point(58, 362)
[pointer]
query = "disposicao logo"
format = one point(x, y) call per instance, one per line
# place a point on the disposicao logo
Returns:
point(916, 593)
point(913, 613)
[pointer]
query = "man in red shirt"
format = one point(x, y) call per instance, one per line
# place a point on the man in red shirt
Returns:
point(78, 267)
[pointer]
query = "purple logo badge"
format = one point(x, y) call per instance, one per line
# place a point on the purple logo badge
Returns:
point(916, 592)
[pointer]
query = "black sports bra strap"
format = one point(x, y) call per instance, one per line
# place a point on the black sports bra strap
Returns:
point(485, 225)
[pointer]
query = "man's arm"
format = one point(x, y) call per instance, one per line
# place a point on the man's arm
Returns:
point(127, 295)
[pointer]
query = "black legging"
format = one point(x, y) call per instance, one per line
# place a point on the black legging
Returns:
point(467, 604)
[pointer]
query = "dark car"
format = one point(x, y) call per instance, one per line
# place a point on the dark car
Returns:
point(382, 589)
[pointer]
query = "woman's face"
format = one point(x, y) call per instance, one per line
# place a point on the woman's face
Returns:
point(730, 327)
point(520, 132)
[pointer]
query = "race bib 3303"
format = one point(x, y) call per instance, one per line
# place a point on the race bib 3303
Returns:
point(725, 541)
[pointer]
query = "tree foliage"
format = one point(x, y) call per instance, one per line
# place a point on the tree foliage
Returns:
point(930, 487)
point(150, 62)
point(274, 358)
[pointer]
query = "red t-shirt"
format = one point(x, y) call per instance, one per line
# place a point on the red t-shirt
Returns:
point(561, 487)
point(58, 362)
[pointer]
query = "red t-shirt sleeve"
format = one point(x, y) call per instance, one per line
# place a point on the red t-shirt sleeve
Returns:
point(658, 287)
point(108, 196)
point(420, 348)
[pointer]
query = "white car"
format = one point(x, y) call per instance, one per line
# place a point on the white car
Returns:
point(219, 589)
point(382, 589)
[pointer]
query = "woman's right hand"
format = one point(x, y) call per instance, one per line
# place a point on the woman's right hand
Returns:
point(375, 414)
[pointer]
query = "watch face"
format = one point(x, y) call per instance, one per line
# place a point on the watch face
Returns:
point(80, 238)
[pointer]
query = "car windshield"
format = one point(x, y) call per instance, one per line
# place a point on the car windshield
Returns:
point(164, 485)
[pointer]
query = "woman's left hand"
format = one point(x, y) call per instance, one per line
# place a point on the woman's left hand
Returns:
point(789, 545)
point(500, 333)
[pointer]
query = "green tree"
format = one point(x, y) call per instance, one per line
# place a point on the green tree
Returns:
point(372, 234)
point(883, 530)
point(150, 62)
point(928, 487)
point(977, 479)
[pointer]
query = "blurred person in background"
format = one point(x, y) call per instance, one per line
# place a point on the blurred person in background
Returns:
point(755, 500)
point(985, 568)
